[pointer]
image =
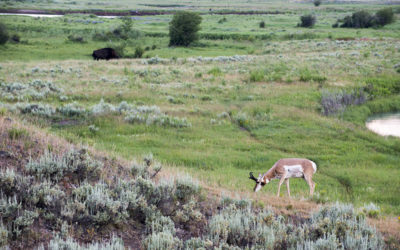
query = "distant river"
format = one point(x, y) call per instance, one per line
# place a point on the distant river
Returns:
point(42, 15)
point(385, 124)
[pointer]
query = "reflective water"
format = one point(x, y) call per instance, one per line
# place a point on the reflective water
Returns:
point(385, 124)
point(43, 15)
point(32, 15)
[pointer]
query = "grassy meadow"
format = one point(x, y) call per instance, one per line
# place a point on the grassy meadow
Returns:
point(236, 101)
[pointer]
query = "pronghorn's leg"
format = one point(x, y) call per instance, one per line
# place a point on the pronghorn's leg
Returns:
point(287, 186)
point(313, 187)
point(310, 183)
point(280, 183)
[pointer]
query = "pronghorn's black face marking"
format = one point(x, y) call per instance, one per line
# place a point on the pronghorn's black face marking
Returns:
point(259, 181)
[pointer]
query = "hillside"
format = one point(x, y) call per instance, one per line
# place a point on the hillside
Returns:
point(153, 149)
point(58, 195)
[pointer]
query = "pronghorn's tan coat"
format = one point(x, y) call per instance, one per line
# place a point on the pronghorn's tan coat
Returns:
point(285, 169)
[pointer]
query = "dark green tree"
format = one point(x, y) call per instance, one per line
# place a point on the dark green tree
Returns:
point(384, 16)
point(307, 21)
point(317, 3)
point(183, 28)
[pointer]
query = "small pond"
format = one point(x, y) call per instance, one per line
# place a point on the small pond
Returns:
point(385, 124)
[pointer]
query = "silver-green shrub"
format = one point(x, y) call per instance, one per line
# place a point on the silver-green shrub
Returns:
point(186, 188)
point(152, 115)
point(47, 195)
point(49, 166)
point(9, 206)
point(371, 210)
point(96, 204)
point(37, 109)
point(23, 221)
point(72, 109)
point(12, 183)
point(69, 243)
point(3, 236)
point(325, 243)
point(102, 108)
point(242, 227)
point(350, 228)
point(75, 162)
point(162, 240)
point(35, 90)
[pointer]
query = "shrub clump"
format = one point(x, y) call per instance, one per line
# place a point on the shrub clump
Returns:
point(75, 163)
point(139, 51)
point(151, 115)
point(363, 19)
point(384, 16)
point(69, 243)
point(333, 103)
point(183, 28)
point(72, 109)
point(3, 34)
point(76, 39)
point(307, 21)
point(95, 204)
point(317, 3)
point(34, 90)
point(186, 188)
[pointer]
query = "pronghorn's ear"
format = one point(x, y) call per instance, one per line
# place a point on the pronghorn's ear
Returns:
point(252, 177)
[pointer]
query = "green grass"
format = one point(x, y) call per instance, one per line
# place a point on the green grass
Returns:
point(271, 100)
point(240, 34)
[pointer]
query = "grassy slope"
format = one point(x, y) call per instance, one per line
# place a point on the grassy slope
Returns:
point(350, 158)
point(354, 164)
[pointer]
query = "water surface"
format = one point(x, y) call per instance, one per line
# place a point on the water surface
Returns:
point(385, 124)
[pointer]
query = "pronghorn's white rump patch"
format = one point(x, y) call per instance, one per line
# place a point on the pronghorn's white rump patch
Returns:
point(314, 166)
point(294, 171)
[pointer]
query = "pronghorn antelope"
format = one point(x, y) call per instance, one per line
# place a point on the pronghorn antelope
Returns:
point(285, 169)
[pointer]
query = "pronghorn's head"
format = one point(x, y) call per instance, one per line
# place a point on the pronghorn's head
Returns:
point(260, 181)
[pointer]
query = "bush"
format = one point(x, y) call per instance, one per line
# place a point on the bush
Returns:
point(256, 76)
point(317, 3)
point(336, 102)
point(359, 19)
point(12, 183)
point(307, 21)
point(3, 34)
point(222, 20)
point(96, 204)
point(69, 243)
point(76, 39)
point(241, 227)
point(162, 240)
point(72, 109)
point(138, 52)
point(186, 188)
point(383, 86)
point(262, 24)
point(384, 16)
point(183, 29)
point(76, 162)
point(3, 235)
point(363, 19)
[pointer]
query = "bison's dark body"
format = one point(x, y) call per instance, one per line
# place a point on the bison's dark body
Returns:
point(104, 53)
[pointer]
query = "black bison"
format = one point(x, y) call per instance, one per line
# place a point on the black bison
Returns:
point(104, 53)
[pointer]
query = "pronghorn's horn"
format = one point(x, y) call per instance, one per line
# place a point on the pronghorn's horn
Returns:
point(252, 177)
